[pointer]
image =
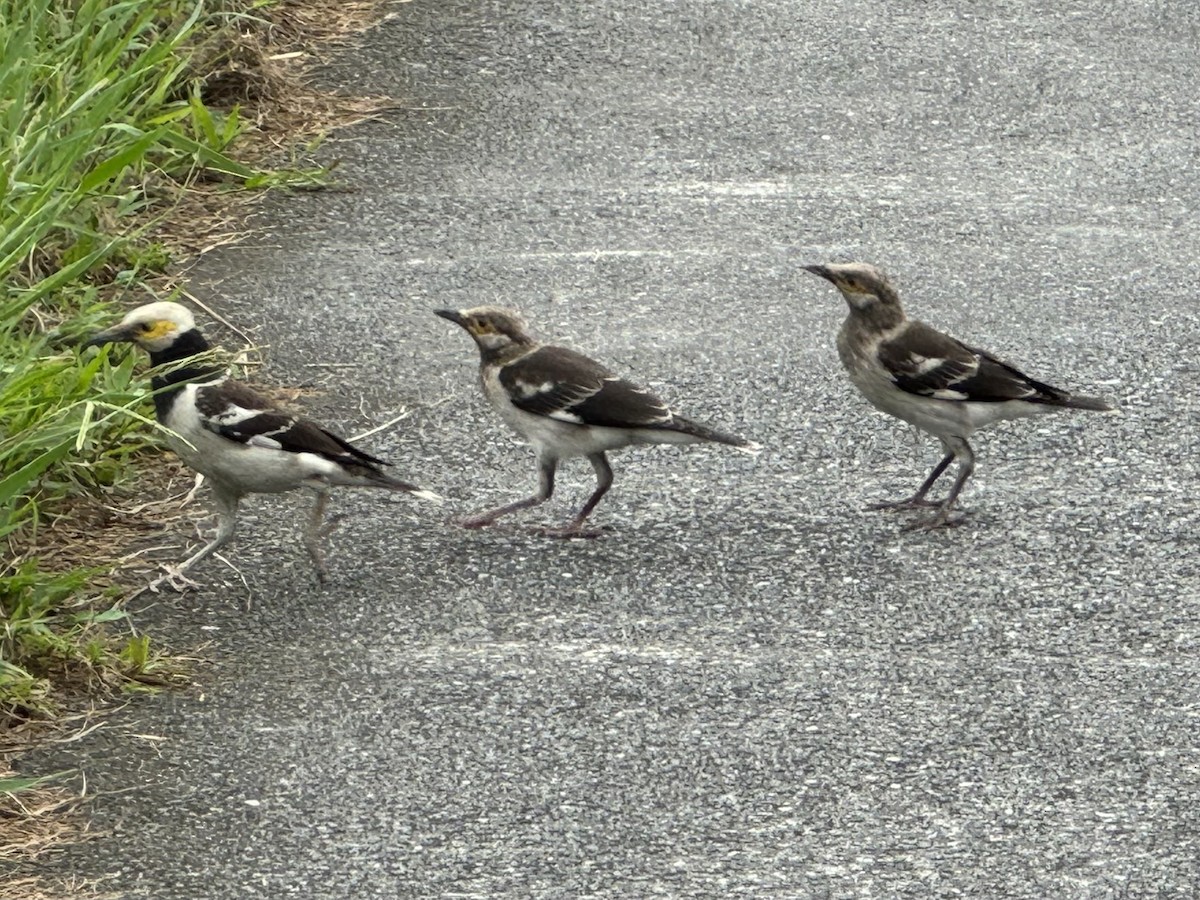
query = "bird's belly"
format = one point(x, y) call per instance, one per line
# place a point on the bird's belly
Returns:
point(952, 418)
point(564, 439)
point(938, 417)
point(251, 470)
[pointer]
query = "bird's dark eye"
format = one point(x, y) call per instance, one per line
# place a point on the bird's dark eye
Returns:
point(143, 327)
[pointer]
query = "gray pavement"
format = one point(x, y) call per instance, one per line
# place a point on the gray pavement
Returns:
point(751, 687)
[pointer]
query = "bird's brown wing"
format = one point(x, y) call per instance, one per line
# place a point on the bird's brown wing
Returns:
point(568, 386)
point(926, 362)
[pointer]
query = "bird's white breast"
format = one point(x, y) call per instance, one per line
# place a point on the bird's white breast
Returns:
point(939, 417)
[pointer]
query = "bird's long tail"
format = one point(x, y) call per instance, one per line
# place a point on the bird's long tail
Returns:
point(1096, 404)
point(397, 485)
point(370, 475)
point(707, 433)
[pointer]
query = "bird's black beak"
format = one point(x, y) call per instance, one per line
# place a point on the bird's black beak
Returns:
point(823, 271)
point(115, 335)
point(452, 314)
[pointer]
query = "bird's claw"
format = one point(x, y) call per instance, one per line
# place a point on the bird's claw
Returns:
point(474, 522)
point(941, 520)
point(173, 578)
point(909, 503)
point(571, 531)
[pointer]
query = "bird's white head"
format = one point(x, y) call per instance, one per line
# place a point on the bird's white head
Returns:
point(494, 329)
point(865, 287)
point(154, 327)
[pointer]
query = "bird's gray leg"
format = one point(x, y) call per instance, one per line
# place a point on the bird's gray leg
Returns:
point(604, 480)
point(546, 468)
point(227, 506)
point(312, 534)
point(917, 500)
point(966, 466)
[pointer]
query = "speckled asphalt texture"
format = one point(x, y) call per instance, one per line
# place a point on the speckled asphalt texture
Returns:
point(751, 686)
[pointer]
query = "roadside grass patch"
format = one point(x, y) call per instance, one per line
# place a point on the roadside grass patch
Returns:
point(104, 124)
point(132, 135)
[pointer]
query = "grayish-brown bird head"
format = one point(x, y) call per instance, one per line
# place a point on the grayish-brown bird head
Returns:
point(494, 328)
point(865, 288)
point(153, 327)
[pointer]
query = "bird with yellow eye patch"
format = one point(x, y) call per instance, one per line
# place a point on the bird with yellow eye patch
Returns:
point(234, 437)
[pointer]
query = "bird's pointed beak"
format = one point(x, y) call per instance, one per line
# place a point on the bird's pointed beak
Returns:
point(115, 335)
point(823, 271)
point(452, 315)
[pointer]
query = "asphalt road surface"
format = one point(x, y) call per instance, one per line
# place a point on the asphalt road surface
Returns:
point(751, 686)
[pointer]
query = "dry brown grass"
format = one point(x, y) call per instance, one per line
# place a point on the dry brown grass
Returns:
point(264, 69)
point(37, 824)
point(38, 821)
point(84, 531)
point(34, 888)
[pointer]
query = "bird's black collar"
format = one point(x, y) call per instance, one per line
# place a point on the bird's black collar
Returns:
point(166, 387)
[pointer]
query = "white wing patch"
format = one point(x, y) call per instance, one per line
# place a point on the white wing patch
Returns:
point(261, 440)
point(524, 389)
point(565, 395)
point(923, 365)
point(238, 424)
point(232, 415)
point(946, 371)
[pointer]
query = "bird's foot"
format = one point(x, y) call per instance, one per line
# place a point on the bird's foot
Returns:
point(907, 503)
point(571, 531)
point(473, 522)
point(174, 579)
point(943, 519)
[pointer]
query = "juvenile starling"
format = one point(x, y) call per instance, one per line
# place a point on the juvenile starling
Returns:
point(566, 405)
point(931, 380)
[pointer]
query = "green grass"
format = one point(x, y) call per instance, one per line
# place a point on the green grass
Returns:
point(102, 120)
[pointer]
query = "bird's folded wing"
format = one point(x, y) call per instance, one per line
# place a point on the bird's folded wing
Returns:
point(565, 385)
point(239, 414)
point(928, 363)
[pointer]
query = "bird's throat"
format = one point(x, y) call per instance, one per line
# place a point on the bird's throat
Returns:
point(877, 317)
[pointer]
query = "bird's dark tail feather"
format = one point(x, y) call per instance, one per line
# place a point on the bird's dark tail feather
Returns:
point(707, 433)
point(1095, 404)
point(374, 476)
